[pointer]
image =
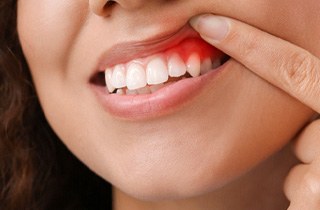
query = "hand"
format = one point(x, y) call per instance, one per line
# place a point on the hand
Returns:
point(294, 70)
point(302, 186)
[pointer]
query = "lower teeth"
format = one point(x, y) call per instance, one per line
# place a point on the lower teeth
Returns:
point(142, 91)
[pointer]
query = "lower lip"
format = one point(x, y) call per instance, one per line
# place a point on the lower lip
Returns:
point(164, 101)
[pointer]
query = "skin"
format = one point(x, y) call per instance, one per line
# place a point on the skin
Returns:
point(231, 129)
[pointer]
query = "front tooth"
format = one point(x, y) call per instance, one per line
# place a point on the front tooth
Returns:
point(193, 65)
point(157, 71)
point(136, 76)
point(176, 66)
point(119, 76)
point(205, 66)
point(108, 77)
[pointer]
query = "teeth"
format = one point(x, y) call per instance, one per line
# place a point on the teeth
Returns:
point(144, 90)
point(157, 71)
point(108, 75)
point(120, 92)
point(216, 63)
point(193, 65)
point(205, 66)
point(136, 76)
point(154, 88)
point(176, 66)
point(131, 92)
point(118, 79)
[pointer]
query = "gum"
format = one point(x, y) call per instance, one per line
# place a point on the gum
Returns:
point(195, 45)
point(184, 49)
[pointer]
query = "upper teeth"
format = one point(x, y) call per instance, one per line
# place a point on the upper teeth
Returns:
point(157, 71)
point(135, 75)
point(176, 66)
point(193, 65)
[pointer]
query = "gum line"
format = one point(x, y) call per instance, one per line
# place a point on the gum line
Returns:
point(185, 49)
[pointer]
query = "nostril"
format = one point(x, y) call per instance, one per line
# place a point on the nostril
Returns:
point(102, 7)
point(109, 4)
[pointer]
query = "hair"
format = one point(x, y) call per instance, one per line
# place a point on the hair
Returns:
point(36, 169)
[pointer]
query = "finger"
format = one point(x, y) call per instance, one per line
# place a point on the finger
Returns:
point(292, 182)
point(302, 188)
point(307, 145)
point(283, 64)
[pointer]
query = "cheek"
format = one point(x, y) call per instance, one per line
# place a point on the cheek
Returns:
point(293, 20)
point(299, 24)
point(47, 30)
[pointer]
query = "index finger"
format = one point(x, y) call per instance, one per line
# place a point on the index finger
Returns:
point(283, 64)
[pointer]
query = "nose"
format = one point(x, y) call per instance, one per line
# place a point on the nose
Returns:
point(103, 7)
point(100, 7)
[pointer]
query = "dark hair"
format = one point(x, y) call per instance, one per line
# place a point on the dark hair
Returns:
point(36, 169)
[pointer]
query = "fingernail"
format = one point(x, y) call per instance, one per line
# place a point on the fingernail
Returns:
point(210, 26)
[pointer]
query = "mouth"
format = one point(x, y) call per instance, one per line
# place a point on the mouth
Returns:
point(144, 83)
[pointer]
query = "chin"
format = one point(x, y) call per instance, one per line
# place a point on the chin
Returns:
point(163, 172)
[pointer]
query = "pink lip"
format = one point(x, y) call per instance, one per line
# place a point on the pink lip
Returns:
point(162, 102)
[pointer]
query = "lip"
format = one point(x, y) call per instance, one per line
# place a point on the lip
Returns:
point(166, 100)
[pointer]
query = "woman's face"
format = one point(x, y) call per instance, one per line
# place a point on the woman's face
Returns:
point(189, 137)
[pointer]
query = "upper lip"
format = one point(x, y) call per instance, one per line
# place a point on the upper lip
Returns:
point(126, 51)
